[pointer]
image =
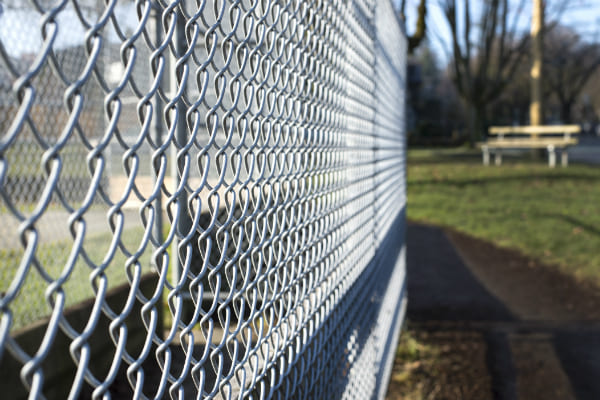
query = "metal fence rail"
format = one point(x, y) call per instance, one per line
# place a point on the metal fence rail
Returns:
point(234, 169)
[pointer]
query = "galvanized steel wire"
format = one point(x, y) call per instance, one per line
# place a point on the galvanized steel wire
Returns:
point(249, 155)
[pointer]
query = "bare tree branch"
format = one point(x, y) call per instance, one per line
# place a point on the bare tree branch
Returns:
point(570, 63)
point(485, 52)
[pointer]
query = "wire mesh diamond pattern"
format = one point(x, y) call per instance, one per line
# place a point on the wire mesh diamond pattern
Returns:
point(200, 199)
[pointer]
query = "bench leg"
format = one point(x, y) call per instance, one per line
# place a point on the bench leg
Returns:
point(486, 155)
point(551, 157)
point(498, 157)
point(564, 158)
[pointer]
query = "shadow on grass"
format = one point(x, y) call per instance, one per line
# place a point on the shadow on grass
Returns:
point(432, 157)
point(445, 158)
point(575, 222)
point(551, 177)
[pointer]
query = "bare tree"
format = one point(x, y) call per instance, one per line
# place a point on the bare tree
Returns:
point(512, 104)
point(569, 63)
point(486, 51)
point(421, 26)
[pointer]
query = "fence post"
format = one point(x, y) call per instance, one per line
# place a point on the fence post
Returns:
point(158, 126)
point(181, 137)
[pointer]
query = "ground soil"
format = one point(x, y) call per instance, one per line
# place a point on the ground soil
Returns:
point(529, 288)
point(506, 326)
point(455, 368)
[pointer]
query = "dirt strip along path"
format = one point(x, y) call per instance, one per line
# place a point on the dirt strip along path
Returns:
point(541, 328)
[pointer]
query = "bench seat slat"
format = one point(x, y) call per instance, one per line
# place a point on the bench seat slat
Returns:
point(535, 130)
point(527, 143)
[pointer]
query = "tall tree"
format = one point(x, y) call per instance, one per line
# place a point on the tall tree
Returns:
point(569, 63)
point(486, 51)
point(421, 26)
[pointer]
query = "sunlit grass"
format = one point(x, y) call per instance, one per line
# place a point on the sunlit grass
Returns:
point(30, 304)
point(550, 214)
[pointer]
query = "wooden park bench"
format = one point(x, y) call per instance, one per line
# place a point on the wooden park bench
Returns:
point(549, 137)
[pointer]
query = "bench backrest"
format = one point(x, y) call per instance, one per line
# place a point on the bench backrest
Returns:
point(537, 130)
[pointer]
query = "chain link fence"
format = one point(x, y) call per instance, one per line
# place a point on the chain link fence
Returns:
point(246, 156)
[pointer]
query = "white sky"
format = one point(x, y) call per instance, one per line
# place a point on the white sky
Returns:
point(20, 28)
point(20, 36)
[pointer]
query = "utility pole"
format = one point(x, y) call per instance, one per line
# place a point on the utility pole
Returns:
point(537, 28)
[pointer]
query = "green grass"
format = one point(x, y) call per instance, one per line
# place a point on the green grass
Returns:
point(413, 358)
point(25, 160)
point(30, 304)
point(550, 214)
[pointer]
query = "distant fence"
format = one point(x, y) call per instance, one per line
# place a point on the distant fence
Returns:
point(200, 199)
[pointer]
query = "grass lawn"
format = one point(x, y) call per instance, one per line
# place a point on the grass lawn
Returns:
point(30, 304)
point(550, 214)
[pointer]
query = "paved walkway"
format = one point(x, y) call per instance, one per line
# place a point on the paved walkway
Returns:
point(523, 354)
point(587, 150)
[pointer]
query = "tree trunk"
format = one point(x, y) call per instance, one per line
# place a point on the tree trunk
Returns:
point(480, 122)
point(476, 121)
point(471, 123)
point(566, 110)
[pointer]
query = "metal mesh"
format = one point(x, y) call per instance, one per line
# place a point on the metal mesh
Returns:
point(247, 156)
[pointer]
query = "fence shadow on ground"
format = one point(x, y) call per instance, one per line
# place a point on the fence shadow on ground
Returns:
point(446, 296)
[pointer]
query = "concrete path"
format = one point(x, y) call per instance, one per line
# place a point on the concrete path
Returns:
point(587, 151)
point(527, 358)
